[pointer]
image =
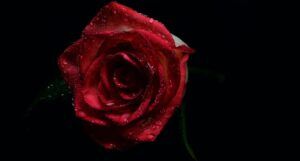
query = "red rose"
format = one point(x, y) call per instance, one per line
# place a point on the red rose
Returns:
point(128, 74)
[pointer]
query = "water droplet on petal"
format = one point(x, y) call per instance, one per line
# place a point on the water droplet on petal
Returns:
point(150, 136)
point(114, 11)
point(64, 62)
point(151, 20)
point(110, 104)
point(125, 120)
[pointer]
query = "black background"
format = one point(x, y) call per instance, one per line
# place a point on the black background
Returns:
point(219, 112)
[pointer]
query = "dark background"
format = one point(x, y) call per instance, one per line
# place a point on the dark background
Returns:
point(220, 101)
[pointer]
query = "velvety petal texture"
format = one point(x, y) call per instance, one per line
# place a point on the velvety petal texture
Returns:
point(128, 75)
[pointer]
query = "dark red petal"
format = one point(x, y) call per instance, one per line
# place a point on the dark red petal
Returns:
point(86, 113)
point(68, 63)
point(176, 101)
point(90, 96)
point(90, 85)
point(120, 119)
point(115, 17)
point(89, 52)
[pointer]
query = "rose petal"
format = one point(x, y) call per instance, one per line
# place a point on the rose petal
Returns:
point(68, 63)
point(89, 51)
point(86, 113)
point(115, 17)
point(137, 111)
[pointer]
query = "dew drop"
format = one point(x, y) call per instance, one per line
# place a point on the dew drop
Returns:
point(114, 11)
point(151, 20)
point(125, 120)
point(110, 104)
point(48, 87)
point(64, 62)
point(150, 136)
point(62, 94)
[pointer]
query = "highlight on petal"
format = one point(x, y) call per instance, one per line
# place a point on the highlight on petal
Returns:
point(180, 45)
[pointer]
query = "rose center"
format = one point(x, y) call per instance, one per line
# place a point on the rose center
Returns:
point(127, 77)
point(126, 72)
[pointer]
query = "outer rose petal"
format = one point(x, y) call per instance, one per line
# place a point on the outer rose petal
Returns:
point(89, 51)
point(75, 60)
point(115, 17)
point(68, 63)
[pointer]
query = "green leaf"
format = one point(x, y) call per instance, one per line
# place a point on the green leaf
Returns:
point(55, 89)
point(184, 133)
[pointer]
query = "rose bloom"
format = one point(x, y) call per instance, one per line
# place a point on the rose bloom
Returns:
point(128, 74)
